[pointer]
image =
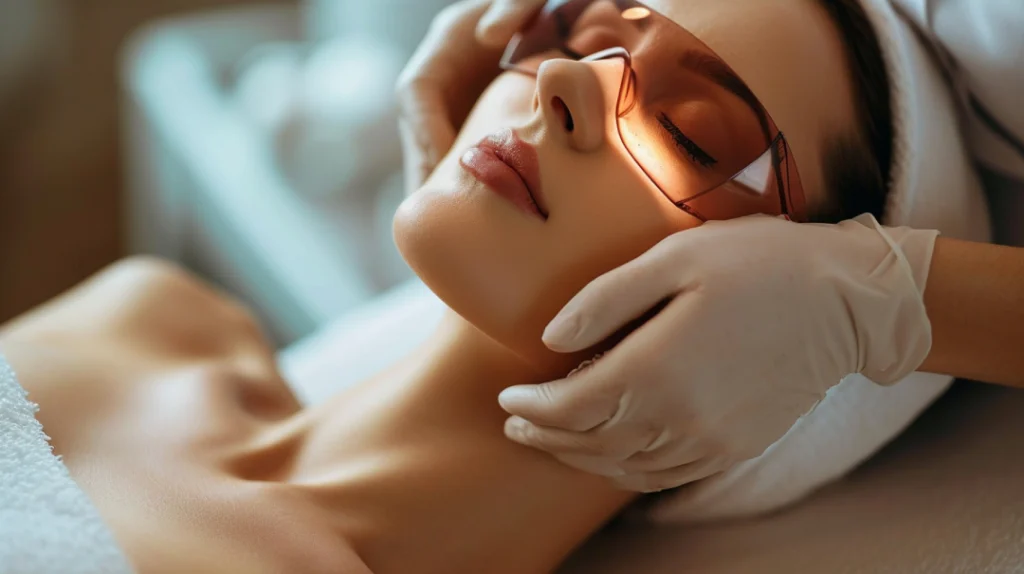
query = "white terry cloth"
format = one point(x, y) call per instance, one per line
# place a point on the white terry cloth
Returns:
point(981, 45)
point(934, 186)
point(47, 523)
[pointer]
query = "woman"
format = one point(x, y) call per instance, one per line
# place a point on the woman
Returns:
point(164, 402)
point(967, 323)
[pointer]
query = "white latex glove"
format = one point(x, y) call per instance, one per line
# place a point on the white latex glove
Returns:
point(447, 74)
point(767, 315)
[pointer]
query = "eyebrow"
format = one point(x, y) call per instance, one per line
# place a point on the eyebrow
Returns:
point(714, 69)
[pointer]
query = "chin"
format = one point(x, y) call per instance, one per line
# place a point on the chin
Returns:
point(482, 259)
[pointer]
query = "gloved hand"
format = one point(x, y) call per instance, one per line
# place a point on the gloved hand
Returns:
point(447, 74)
point(766, 316)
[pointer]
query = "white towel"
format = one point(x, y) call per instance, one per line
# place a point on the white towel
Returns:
point(47, 523)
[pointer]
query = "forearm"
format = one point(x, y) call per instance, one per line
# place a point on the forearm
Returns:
point(975, 300)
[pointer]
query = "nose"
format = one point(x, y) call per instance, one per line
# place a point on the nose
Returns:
point(578, 100)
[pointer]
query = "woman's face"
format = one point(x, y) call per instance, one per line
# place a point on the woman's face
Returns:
point(508, 263)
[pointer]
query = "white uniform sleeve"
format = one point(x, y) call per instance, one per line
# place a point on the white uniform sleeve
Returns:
point(981, 44)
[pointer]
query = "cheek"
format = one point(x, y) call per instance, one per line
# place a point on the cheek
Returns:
point(612, 215)
point(509, 274)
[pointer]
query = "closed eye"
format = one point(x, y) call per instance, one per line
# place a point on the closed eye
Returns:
point(685, 144)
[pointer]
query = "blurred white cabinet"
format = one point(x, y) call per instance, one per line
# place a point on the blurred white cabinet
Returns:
point(203, 186)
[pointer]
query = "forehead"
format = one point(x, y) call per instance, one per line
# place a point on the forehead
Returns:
point(790, 55)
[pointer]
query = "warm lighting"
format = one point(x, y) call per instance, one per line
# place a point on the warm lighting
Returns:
point(636, 13)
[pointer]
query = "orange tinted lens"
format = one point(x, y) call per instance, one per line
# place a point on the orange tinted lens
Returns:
point(685, 117)
point(755, 190)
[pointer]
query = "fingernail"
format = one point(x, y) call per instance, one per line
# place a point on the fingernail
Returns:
point(485, 28)
point(514, 427)
point(562, 331)
point(513, 397)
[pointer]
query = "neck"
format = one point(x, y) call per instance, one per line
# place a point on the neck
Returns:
point(460, 350)
point(459, 371)
point(415, 463)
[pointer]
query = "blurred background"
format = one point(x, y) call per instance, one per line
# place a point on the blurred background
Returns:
point(253, 142)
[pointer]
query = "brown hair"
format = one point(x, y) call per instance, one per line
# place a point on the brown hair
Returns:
point(858, 164)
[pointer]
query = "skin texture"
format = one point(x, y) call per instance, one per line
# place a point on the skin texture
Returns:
point(975, 300)
point(164, 401)
point(162, 397)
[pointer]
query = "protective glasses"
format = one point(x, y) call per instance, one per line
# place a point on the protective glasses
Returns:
point(690, 123)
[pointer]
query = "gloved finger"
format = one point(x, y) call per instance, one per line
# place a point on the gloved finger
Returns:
point(504, 19)
point(590, 464)
point(578, 403)
point(563, 404)
point(671, 455)
point(425, 126)
point(614, 299)
point(670, 478)
point(448, 54)
point(617, 446)
point(424, 139)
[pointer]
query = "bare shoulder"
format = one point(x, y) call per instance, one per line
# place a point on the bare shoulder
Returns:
point(146, 301)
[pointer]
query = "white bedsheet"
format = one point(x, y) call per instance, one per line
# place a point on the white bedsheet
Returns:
point(361, 343)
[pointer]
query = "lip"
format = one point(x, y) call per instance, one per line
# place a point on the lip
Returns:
point(508, 166)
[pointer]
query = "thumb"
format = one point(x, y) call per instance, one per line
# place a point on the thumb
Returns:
point(426, 131)
point(578, 403)
point(611, 301)
point(503, 19)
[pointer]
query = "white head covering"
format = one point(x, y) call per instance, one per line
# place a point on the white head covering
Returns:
point(981, 47)
point(934, 186)
point(934, 183)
